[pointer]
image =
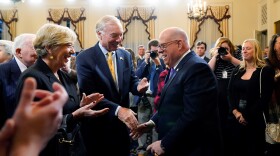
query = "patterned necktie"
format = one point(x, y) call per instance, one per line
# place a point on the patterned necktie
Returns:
point(111, 65)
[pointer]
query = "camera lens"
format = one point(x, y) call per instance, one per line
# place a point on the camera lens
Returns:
point(222, 51)
point(153, 54)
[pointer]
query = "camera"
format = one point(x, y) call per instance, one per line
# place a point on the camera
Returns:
point(222, 51)
point(153, 54)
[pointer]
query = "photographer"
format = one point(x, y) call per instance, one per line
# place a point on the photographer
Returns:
point(224, 59)
point(150, 68)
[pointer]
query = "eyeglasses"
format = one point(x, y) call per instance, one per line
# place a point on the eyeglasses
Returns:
point(163, 46)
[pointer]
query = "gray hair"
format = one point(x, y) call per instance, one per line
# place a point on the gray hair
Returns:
point(52, 35)
point(105, 20)
point(8, 45)
point(21, 40)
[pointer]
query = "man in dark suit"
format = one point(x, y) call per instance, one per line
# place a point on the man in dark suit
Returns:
point(24, 56)
point(108, 70)
point(187, 119)
point(201, 48)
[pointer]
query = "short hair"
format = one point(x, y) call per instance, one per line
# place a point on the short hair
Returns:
point(141, 46)
point(52, 35)
point(103, 21)
point(21, 40)
point(200, 43)
point(152, 43)
point(8, 45)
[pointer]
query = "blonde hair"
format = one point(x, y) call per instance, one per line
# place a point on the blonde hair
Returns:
point(257, 55)
point(52, 35)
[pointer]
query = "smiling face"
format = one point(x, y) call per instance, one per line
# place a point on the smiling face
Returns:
point(110, 36)
point(172, 45)
point(248, 51)
point(61, 55)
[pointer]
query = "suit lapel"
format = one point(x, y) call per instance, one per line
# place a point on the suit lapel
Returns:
point(178, 68)
point(120, 68)
point(102, 68)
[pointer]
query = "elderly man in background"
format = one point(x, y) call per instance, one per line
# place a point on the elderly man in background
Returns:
point(24, 56)
point(5, 51)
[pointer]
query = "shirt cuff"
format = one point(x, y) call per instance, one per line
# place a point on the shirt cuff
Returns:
point(117, 110)
point(151, 123)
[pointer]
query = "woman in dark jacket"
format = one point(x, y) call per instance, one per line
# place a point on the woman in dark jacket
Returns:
point(250, 90)
point(54, 46)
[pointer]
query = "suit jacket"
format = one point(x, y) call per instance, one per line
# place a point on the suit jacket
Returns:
point(94, 76)
point(187, 118)
point(9, 75)
point(45, 78)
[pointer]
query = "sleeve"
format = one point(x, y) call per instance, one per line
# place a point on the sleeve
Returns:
point(232, 97)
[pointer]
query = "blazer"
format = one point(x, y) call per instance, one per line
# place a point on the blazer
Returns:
point(9, 75)
point(187, 119)
point(45, 78)
point(94, 76)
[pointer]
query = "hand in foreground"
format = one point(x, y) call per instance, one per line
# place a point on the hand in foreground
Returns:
point(127, 116)
point(142, 128)
point(94, 97)
point(36, 121)
point(155, 148)
point(143, 85)
point(6, 135)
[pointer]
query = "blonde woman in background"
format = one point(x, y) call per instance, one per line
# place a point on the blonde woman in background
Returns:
point(248, 100)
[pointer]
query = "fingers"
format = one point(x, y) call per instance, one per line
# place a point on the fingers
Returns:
point(28, 93)
point(7, 131)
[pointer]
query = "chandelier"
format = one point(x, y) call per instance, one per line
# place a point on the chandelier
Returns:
point(196, 9)
point(17, 1)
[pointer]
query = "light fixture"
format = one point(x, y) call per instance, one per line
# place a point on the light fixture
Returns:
point(196, 9)
point(15, 1)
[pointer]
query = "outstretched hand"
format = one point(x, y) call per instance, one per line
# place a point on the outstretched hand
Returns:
point(127, 116)
point(141, 129)
point(143, 85)
point(94, 97)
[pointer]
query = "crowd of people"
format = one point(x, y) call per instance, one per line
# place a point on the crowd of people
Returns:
point(168, 100)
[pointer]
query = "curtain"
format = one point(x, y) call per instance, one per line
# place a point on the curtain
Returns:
point(9, 18)
point(219, 14)
point(76, 17)
point(138, 24)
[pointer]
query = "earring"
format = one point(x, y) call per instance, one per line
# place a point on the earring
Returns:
point(51, 57)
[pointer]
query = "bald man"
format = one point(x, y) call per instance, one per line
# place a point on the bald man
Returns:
point(187, 117)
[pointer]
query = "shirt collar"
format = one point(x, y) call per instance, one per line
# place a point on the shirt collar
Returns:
point(21, 66)
point(181, 59)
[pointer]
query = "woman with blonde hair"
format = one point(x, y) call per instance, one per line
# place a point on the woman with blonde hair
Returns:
point(250, 90)
point(54, 46)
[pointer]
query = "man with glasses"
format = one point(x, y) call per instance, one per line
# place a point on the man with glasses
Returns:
point(187, 117)
point(109, 70)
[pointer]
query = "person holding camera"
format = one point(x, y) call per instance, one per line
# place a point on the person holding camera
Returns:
point(150, 68)
point(224, 59)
